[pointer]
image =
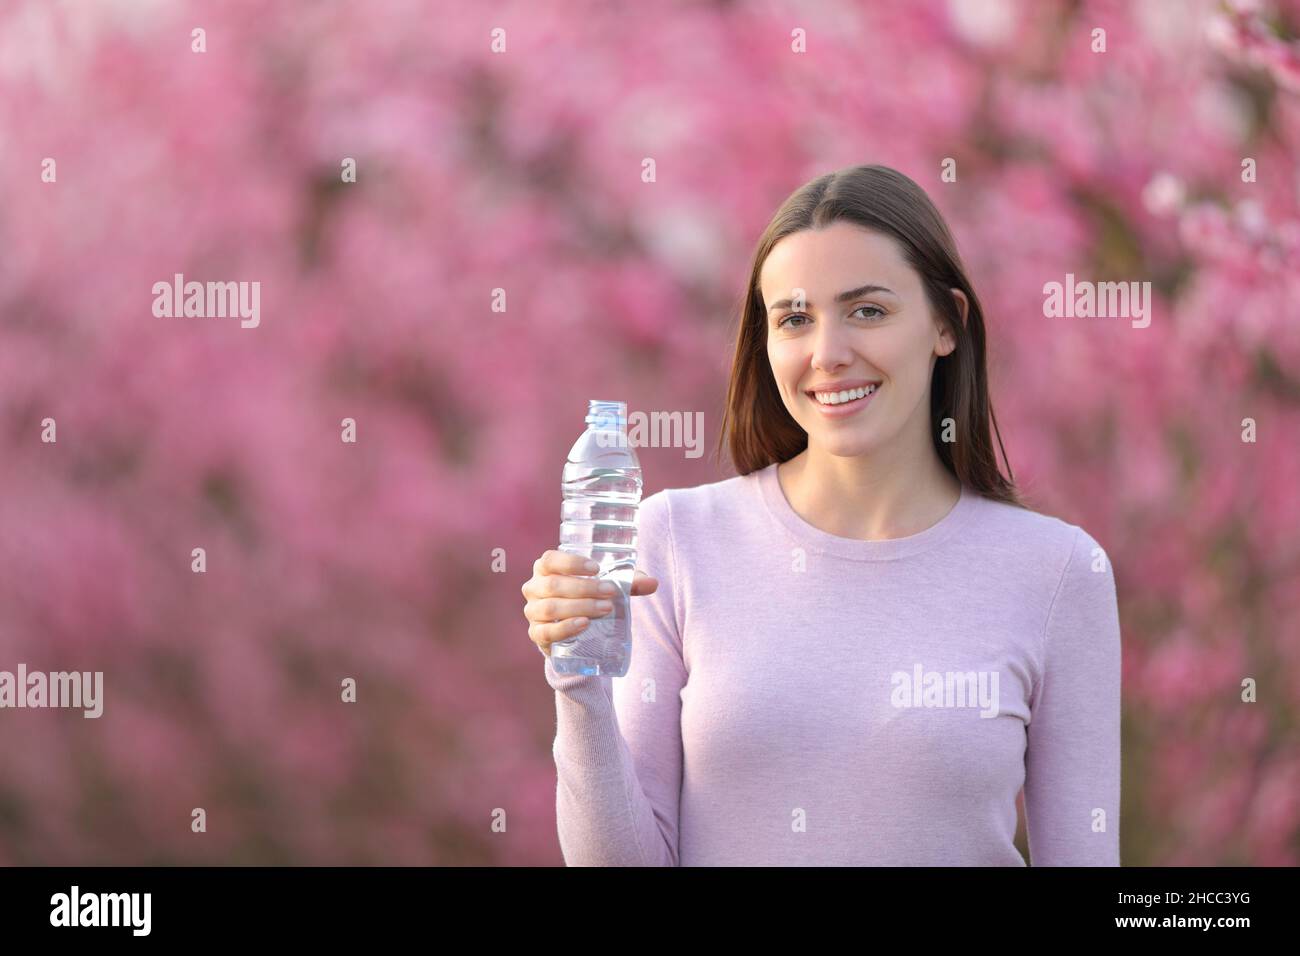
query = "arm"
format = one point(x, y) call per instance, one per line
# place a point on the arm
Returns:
point(618, 744)
point(1072, 760)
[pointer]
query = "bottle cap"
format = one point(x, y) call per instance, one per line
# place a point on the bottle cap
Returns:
point(606, 414)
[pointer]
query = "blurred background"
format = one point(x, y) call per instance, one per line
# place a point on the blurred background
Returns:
point(522, 169)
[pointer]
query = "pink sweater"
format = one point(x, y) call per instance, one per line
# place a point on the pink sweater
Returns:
point(798, 698)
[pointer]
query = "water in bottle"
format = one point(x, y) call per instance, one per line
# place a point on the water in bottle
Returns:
point(602, 489)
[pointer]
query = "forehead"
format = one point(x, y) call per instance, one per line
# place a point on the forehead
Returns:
point(841, 256)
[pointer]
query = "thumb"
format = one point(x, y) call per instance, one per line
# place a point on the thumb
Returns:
point(643, 583)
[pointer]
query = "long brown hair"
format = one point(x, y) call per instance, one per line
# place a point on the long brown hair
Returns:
point(756, 425)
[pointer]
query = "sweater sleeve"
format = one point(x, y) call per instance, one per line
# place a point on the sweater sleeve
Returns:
point(618, 742)
point(1072, 757)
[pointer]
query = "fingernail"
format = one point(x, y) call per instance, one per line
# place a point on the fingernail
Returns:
point(592, 566)
point(603, 606)
point(607, 587)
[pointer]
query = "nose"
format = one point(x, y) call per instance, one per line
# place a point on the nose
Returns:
point(831, 345)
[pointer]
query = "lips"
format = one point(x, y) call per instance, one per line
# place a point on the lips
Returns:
point(848, 385)
point(845, 408)
point(842, 396)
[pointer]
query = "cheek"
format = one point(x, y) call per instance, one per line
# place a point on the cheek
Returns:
point(784, 365)
point(786, 373)
point(900, 357)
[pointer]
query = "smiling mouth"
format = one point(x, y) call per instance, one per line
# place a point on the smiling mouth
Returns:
point(844, 397)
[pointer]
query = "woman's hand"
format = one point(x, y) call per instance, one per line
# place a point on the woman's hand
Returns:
point(564, 594)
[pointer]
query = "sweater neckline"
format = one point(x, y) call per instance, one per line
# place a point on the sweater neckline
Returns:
point(855, 548)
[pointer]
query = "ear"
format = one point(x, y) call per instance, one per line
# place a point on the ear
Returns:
point(963, 304)
point(946, 340)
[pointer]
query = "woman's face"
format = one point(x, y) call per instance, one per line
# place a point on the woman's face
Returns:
point(863, 318)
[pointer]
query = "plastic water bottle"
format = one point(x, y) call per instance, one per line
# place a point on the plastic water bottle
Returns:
point(602, 489)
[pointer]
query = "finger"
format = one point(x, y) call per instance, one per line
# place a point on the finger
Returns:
point(543, 635)
point(644, 584)
point(575, 586)
point(562, 562)
point(546, 610)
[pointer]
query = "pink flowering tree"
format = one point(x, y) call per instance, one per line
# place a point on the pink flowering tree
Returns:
point(498, 258)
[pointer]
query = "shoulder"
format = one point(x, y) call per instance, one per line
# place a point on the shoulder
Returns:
point(688, 507)
point(1057, 548)
point(1060, 570)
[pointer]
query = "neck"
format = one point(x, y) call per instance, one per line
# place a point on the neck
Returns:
point(869, 497)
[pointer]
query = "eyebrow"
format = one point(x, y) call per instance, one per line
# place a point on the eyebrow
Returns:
point(846, 296)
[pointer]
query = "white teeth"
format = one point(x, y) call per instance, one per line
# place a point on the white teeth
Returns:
point(837, 398)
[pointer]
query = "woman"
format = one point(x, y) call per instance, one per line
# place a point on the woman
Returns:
point(859, 649)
